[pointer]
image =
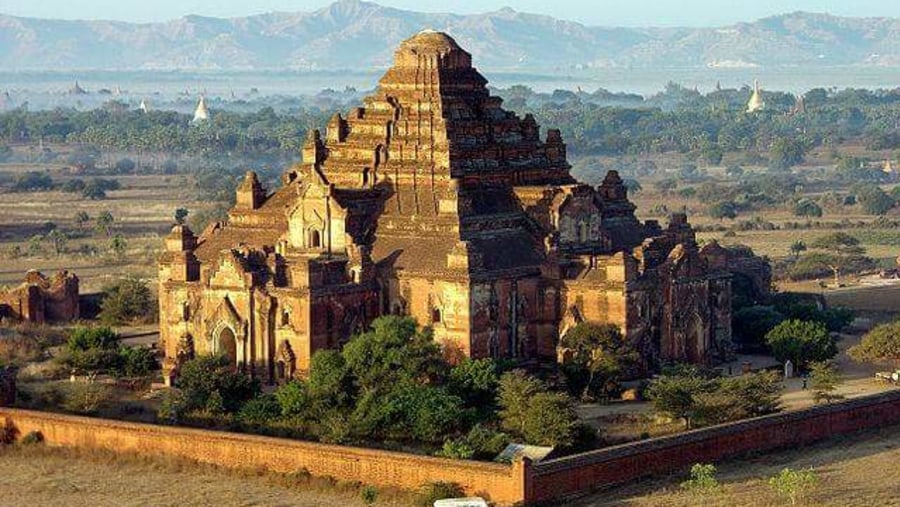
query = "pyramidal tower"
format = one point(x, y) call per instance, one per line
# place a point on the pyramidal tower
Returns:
point(201, 112)
point(144, 107)
point(756, 102)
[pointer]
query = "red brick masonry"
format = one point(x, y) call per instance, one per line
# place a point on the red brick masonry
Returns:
point(521, 482)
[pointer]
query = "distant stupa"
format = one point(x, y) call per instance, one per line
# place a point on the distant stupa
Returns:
point(76, 89)
point(756, 102)
point(201, 113)
point(143, 107)
point(799, 105)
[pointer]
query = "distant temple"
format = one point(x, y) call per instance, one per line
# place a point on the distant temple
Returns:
point(756, 102)
point(76, 89)
point(433, 201)
point(144, 107)
point(201, 113)
point(40, 299)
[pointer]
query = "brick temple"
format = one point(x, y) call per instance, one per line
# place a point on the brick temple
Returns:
point(431, 200)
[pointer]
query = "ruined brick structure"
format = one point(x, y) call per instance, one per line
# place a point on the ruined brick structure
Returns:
point(40, 299)
point(431, 200)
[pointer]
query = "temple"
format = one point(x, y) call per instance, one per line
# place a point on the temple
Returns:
point(431, 200)
point(40, 299)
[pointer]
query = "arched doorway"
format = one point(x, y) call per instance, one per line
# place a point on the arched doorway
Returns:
point(226, 344)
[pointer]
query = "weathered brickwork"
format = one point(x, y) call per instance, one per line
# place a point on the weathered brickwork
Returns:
point(431, 200)
point(40, 299)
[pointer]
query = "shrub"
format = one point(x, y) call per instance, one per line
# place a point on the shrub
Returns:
point(211, 383)
point(138, 361)
point(260, 410)
point(531, 412)
point(85, 398)
point(128, 300)
point(703, 479)
point(368, 495)
point(794, 485)
point(434, 491)
point(32, 438)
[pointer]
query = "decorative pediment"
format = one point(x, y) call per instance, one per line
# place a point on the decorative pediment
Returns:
point(225, 315)
point(228, 271)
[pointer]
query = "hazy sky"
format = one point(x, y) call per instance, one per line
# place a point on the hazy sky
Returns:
point(592, 12)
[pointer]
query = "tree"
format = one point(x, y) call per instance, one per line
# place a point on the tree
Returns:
point(723, 209)
point(807, 208)
point(798, 247)
point(837, 250)
point(59, 240)
point(125, 166)
point(118, 245)
point(786, 153)
point(391, 352)
point(734, 171)
point(33, 181)
point(181, 215)
point(824, 378)
point(93, 191)
point(81, 219)
point(873, 199)
point(103, 223)
point(598, 356)
point(801, 342)
point(751, 323)
point(794, 484)
point(128, 300)
point(632, 185)
point(531, 412)
point(674, 393)
point(211, 383)
point(882, 343)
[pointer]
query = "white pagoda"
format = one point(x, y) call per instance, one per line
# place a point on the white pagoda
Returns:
point(201, 113)
point(756, 102)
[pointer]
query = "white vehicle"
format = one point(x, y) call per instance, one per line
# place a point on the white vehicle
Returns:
point(461, 502)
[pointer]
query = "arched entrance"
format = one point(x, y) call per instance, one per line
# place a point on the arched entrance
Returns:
point(226, 344)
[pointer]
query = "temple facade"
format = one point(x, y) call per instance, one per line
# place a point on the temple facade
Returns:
point(431, 200)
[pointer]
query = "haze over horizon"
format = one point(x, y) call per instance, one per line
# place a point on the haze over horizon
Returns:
point(635, 13)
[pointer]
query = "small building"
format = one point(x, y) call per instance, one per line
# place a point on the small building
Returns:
point(40, 299)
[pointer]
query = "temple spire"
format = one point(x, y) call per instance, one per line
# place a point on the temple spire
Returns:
point(756, 102)
point(201, 113)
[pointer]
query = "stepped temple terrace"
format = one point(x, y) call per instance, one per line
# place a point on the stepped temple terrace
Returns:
point(431, 200)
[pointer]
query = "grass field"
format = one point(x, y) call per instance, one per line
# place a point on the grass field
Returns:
point(36, 475)
point(854, 471)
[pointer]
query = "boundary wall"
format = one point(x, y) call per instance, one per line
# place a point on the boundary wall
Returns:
point(545, 482)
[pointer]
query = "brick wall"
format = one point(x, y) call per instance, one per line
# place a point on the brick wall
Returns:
point(579, 474)
point(542, 482)
point(501, 483)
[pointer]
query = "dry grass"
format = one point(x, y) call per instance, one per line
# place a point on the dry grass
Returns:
point(39, 475)
point(857, 470)
point(143, 210)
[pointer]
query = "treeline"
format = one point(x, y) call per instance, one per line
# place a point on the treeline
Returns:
point(115, 128)
point(686, 121)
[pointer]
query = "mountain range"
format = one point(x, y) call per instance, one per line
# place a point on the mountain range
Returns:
point(354, 34)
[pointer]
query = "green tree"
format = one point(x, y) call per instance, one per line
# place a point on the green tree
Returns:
point(837, 251)
point(94, 191)
point(723, 209)
point(118, 245)
point(181, 215)
point(807, 208)
point(59, 239)
point(824, 378)
point(786, 153)
point(801, 342)
point(211, 383)
point(674, 393)
point(794, 485)
point(393, 351)
point(126, 301)
point(103, 223)
point(598, 356)
point(882, 343)
point(798, 247)
point(125, 166)
point(529, 411)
